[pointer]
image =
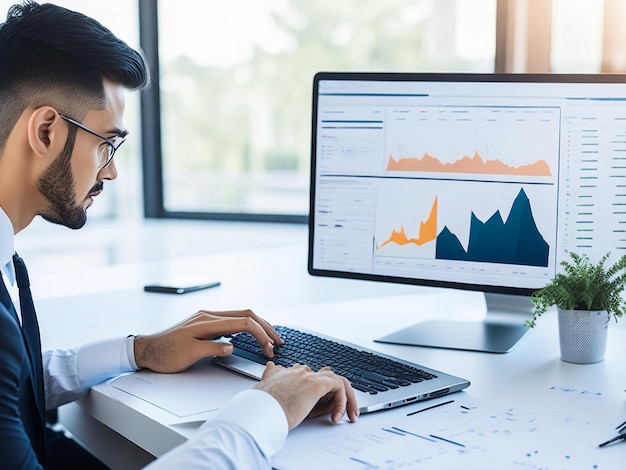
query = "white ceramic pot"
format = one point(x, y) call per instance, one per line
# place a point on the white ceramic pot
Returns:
point(582, 335)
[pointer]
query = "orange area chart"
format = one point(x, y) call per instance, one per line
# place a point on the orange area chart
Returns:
point(427, 232)
point(475, 164)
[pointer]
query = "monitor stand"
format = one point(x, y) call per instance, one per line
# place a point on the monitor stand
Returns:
point(501, 329)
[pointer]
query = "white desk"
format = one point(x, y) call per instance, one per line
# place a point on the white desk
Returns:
point(531, 380)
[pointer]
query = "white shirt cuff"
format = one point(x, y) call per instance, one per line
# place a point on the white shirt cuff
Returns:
point(260, 415)
point(101, 360)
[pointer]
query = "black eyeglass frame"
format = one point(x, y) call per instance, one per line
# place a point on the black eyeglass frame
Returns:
point(111, 146)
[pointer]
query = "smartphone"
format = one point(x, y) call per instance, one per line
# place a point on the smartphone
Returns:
point(179, 286)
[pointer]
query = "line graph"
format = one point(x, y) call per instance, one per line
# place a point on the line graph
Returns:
point(427, 232)
point(515, 143)
point(515, 240)
point(475, 164)
point(486, 226)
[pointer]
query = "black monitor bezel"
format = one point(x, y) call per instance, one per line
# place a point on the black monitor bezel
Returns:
point(426, 76)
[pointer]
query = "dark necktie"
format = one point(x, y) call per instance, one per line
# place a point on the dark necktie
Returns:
point(30, 328)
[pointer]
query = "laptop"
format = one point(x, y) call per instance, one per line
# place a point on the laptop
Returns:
point(382, 381)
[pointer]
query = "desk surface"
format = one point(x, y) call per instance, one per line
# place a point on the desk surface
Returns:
point(554, 414)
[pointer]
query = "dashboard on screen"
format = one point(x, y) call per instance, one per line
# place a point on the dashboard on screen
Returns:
point(473, 181)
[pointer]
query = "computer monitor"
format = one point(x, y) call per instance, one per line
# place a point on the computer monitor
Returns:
point(467, 181)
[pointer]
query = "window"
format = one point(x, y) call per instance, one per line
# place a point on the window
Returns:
point(235, 80)
point(561, 36)
point(577, 36)
point(235, 86)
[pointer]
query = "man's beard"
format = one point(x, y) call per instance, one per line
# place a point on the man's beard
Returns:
point(57, 185)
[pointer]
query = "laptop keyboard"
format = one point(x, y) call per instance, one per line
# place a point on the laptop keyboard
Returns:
point(366, 371)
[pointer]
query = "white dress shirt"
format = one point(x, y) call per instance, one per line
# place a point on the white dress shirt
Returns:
point(245, 433)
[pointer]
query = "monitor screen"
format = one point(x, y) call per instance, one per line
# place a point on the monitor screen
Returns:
point(470, 181)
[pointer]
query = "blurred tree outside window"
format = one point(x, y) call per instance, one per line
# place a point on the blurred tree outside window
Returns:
point(236, 81)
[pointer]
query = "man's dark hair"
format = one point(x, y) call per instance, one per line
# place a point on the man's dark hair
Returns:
point(50, 55)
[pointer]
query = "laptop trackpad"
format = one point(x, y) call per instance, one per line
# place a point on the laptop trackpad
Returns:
point(242, 365)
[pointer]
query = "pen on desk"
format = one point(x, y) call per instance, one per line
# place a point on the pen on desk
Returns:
point(621, 429)
point(430, 407)
point(616, 438)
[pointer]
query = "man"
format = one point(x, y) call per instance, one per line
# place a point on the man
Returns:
point(62, 81)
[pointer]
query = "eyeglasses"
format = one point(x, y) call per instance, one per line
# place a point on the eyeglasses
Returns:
point(104, 157)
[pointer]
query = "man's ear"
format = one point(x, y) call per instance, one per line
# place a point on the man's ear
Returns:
point(47, 132)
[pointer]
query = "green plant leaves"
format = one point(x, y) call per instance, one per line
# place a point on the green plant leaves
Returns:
point(583, 285)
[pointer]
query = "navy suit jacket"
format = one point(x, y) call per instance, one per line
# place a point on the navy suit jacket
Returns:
point(22, 428)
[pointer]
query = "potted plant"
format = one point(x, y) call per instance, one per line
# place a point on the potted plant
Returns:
point(586, 296)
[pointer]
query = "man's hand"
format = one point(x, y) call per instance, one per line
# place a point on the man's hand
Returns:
point(303, 393)
point(178, 347)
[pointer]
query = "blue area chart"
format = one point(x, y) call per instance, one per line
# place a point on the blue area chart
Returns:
point(516, 241)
